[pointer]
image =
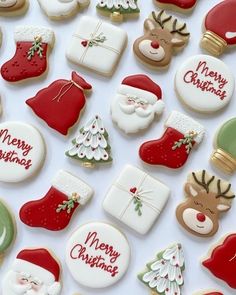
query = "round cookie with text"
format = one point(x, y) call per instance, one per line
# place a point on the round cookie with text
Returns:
point(22, 151)
point(204, 83)
point(97, 255)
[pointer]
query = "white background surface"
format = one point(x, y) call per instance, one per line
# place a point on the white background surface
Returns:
point(124, 150)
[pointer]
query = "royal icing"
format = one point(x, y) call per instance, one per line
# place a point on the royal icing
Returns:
point(97, 250)
point(30, 58)
point(222, 261)
point(209, 293)
point(66, 194)
point(22, 151)
point(14, 6)
point(163, 34)
point(91, 145)
point(50, 103)
point(207, 197)
point(136, 199)
point(164, 274)
point(173, 148)
point(96, 45)
point(137, 102)
point(182, 4)
point(34, 271)
point(204, 83)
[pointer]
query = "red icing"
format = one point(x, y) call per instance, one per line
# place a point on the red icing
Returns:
point(60, 104)
point(183, 4)
point(19, 67)
point(214, 293)
point(133, 190)
point(160, 151)
point(42, 213)
point(222, 262)
point(221, 19)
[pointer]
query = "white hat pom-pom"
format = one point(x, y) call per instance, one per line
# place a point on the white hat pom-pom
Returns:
point(54, 289)
point(159, 107)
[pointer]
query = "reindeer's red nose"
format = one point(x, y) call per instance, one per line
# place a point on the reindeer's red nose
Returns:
point(201, 217)
point(155, 44)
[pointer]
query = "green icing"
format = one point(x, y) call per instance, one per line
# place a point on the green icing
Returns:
point(7, 228)
point(121, 9)
point(226, 137)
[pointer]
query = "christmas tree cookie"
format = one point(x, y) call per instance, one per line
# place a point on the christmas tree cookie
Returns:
point(118, 9)
point(164, 275)
point(91, 145)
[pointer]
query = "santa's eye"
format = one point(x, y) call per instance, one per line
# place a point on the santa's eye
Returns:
point(24, 279)
point(198, 204)
point(142, 103)
point(208, 209)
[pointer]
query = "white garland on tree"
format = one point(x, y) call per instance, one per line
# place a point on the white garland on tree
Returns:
point(117, 4)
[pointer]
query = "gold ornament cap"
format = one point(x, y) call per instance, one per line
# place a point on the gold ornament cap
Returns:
point(224, 161)
point(116, 17)
point(213, 43)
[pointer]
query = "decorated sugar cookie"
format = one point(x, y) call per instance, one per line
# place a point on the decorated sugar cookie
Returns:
point(209, 292)
point(207, 197)
point(96, 45)
point(7, 229)
point(184, 6)
point(91, 146)
point(222, 260)
point(99, 251)
point(118, 9)
point(204, 83)
point(13, 7)
point(172, 150)
point(217, 37)
point(224, 155)
point(137, 102)
point(136, 199)
point(61, 9)
point(22, 151)
point(50, 103)
point(163, 34)
point(30, 59)
point(62, 199)
point(34, 271)
point(164, 275)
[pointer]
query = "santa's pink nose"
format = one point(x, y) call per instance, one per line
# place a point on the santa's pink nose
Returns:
point(201, 217)
point(155, 44)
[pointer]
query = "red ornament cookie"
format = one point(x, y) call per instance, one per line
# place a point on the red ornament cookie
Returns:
point(177, 5)
point(61, 103)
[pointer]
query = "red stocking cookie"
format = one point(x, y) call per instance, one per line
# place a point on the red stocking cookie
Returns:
point(184, 6)
point(30, 58)
point(61, 103)
point(54, 211)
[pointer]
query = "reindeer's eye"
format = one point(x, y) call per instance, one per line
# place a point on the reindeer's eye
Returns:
point(208, 209)
point(153, 35)
point(198, 204)
point(163, 40)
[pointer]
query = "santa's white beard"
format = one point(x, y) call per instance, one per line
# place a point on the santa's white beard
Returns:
point(132, 122)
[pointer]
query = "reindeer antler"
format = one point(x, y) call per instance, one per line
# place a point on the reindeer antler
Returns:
point(179, 30)
point(157, 18)
point(203, 182)
point(223, 194)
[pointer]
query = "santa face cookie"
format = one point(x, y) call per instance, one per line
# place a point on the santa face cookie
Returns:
point(96, 45)
point(184, 6)
point(30, 59)
point(50, 103)
point(118, 9)
point(34, 271)
point(222, 260)
point(163, 276)
point(61, 9)
point(22, 151)
point(207, 197)
point(13, 7)
point(99, 251)
point(136, 199)
point(137, 102)
point(66, 194)
point(163, 34)
point(204, 84)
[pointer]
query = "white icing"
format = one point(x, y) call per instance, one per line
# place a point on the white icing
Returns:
point(104, 233)
point(28, 34)
point(7, 3)
point(30, 153)
point(202, 67)
point(230, 35)
point(185, 124)
point(118, 4)
point(190, 219)
point(3, 236)
point(102, 58)
point(156, 54)
point(119, 200)
point(69, 184)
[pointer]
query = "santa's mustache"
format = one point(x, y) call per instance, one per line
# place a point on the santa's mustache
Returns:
point(133, 108)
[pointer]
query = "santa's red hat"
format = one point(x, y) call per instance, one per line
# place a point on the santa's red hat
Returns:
point(143, 87)
point(41, 264)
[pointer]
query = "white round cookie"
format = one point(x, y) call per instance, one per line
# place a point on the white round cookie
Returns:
point(97, 255)
point(22, 151)
point(204, 83)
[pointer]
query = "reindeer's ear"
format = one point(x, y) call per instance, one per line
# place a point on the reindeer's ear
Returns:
point(149, 25)
point(177, 42)
point(191, 189)
point(223, 207)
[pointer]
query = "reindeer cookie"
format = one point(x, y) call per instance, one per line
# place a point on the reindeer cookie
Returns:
point(163, 35)
point(207, 197)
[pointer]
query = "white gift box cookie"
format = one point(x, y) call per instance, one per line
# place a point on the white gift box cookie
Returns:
point(96, 45)
point(136, 199)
